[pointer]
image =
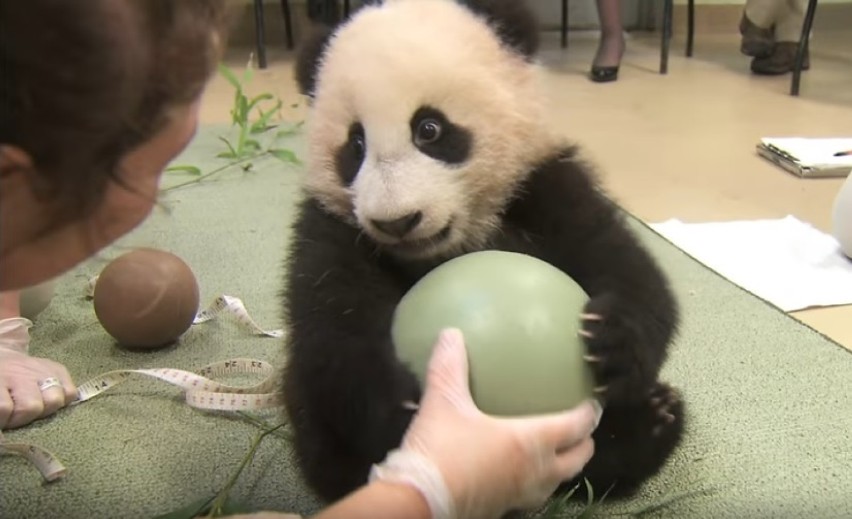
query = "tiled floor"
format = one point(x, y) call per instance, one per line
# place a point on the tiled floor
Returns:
point(678, 145)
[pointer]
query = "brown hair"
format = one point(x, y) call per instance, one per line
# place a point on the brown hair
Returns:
point(84, 82)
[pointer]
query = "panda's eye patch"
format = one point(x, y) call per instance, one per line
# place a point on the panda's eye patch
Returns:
point(351, 153)
point(437, 137)
point(428, 131)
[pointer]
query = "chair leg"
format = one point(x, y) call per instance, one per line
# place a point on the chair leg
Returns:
point(288, 23)
point(564, 24)
point(668, 7)
point(258, 33)
point(803, 47)
point(690, 27)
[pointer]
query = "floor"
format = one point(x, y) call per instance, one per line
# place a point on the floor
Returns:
point(679, 145)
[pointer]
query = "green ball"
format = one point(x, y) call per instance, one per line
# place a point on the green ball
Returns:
point(520, 317)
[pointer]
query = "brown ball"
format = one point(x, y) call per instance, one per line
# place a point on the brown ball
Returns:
point(146, 298)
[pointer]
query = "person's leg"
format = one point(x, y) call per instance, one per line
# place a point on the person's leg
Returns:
point(788, 30)
point(757, 27)
point(611, 44)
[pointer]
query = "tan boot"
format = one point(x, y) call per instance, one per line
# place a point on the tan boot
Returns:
point(757, 41)
point(780, 61)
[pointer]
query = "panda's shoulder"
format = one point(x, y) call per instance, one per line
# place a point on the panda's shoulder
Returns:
point(562, 175)
point(316, 232)
point(313, 220)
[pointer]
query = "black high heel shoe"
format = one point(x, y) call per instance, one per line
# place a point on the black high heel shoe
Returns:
point(604, 74)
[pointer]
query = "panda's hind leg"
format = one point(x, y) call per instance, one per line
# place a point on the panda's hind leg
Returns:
point(632, 442)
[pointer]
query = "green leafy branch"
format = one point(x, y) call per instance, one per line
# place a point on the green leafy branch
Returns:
point(246, 146)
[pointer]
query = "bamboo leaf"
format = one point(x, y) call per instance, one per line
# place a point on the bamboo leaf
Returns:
point(293, 130)
point(285, 155)
point(231, 153)
point(192, 170)
point(257, 99)
point(262, 124)
point(242, 110)
point(228, 74)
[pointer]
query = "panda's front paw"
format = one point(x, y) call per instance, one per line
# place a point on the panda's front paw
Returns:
point(667, 406)
point(612, 349)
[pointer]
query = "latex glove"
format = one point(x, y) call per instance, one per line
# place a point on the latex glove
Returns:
point(471, 465)
point(21, 398)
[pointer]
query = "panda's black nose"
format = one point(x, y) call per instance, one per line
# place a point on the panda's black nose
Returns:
point(399, 227)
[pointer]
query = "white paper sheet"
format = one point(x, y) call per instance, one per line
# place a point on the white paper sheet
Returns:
point(786, 262)
point(813, 151)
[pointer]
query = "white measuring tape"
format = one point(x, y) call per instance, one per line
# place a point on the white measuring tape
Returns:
point(44, 461)
point(201, 391)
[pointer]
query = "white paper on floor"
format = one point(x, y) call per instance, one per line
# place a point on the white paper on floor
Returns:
point(785, 261)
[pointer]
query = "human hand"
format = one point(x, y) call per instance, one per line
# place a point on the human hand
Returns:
point(30, 387)
point(471, 465)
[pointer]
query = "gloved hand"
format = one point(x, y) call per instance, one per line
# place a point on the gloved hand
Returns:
point(30, 387)
point(471, 465)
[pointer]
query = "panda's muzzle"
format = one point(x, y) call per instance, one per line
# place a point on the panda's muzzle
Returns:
point(399, 227)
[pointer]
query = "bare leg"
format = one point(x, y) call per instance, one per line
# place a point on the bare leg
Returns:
point(611, 44)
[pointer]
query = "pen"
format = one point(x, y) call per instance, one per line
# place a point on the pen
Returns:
point(843, 153)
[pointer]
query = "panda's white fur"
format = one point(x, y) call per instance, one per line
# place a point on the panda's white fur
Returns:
point(377, 69)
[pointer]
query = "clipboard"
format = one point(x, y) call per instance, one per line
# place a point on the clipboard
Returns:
point(808, 157)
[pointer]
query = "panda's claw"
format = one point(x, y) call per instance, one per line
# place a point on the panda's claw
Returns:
point(591, 317)
point(665, 401)
point(411, 406)
point(587, 334)
point(592, 358)
point(600, 389)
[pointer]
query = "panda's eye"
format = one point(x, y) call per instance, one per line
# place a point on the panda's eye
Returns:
point(357, 141)
point(350, 155)
point(428, 131)
point(358, 146)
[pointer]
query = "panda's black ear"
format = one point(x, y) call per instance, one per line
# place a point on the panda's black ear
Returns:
point(513, 20)
point(309, 55)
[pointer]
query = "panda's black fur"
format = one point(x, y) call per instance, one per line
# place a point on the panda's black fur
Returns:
point(343, 386)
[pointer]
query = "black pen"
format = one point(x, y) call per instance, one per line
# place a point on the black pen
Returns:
point(843, 153)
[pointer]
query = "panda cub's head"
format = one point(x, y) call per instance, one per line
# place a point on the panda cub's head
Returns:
point(425, 118)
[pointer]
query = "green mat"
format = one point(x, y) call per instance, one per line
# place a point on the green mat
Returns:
point(770, 405)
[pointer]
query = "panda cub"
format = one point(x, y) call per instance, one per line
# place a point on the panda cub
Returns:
point(426, 142)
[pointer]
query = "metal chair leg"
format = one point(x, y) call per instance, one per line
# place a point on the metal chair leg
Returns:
point(668, 7)
point(690, 27)
point(288, 23)
point(802, 47)
point(259, 33)
point(564, 24)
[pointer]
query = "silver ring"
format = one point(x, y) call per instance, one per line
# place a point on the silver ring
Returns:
point(49, 383)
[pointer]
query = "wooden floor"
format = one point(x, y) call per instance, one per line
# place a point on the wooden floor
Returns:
point(679, 145)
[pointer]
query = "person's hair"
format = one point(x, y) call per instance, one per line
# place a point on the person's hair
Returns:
point(84, 82)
